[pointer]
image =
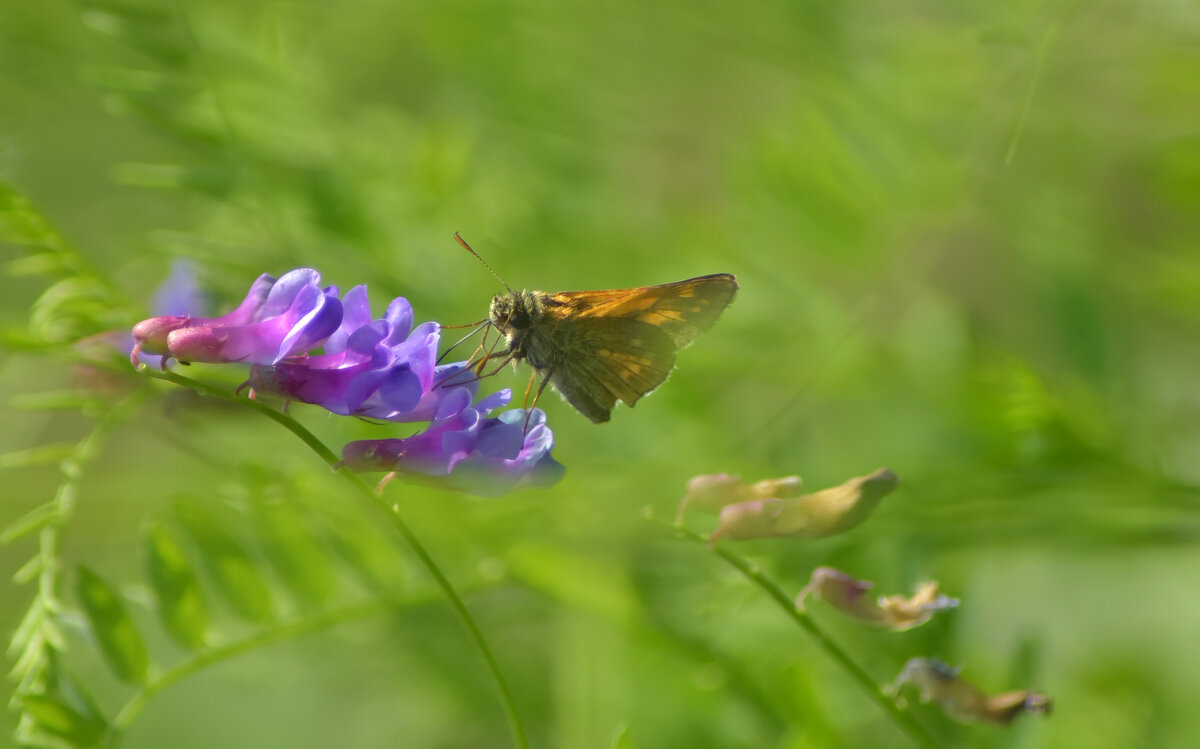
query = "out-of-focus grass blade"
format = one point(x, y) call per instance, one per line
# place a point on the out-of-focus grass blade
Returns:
point(177, 589)
point(115, 633)
point(234, 571)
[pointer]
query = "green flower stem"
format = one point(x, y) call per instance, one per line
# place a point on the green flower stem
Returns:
point(898, 716)
point(1035, 80)
point(297, 628)
point(368, 493)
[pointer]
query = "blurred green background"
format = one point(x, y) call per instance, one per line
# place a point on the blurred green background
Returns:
point(966, 238)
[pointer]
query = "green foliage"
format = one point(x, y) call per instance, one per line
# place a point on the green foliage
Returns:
point(965, 240)
point(181, 606)
point(63, 721)
point(234, 572)
point(117, 637)
point(295, 551)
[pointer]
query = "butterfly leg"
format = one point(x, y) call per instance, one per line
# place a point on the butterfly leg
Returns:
point(529, 387)
point(537, 396)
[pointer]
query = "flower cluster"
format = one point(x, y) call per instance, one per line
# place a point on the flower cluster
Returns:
point(382, 369)
point(775, 508)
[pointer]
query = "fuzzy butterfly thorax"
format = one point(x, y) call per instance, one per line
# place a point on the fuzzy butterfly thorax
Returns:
point(515, 316)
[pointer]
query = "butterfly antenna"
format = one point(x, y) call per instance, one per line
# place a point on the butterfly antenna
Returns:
point(463, 242)
point(456, 344)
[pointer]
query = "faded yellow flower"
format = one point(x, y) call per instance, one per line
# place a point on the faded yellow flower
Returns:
point(710, 492)
point(962, 700)
point(824, 513)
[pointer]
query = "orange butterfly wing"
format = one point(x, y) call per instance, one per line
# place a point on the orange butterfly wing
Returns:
point(622, 342)
point(683, 309)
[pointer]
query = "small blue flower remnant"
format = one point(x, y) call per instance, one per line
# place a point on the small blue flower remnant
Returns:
point(381, 369)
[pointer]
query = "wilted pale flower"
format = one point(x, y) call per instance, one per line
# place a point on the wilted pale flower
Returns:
point(463, 450)
point(962, 700)
point(713, 491)
point(824, 513)
point(277, 319)
point(895, 612)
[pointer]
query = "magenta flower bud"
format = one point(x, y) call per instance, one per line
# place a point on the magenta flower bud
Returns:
point(298, 316)
point(150, 336)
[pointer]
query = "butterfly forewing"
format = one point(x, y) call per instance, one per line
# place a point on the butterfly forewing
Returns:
point(682, 309)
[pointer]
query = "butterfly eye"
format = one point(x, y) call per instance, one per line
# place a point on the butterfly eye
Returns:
point(518, 318)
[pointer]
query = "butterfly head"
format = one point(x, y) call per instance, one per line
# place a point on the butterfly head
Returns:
point(515, 311)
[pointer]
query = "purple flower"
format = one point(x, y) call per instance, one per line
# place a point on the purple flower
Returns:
point(380, 369)
point(372, 369)
point(277, 319)
point(463, 450)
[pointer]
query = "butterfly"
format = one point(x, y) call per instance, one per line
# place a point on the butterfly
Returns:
point(600, 347)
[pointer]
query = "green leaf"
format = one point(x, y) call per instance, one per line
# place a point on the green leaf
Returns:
point(57, 718)
point(28, 571)
point(118, 638)
point(208, 179)
point(22, 224)
point(375, 560)
point(144, 28)
point(29, 522)
point(233, 570)
point(300, 558)
point(176, 588)
point(36, 456)
point(622, 739)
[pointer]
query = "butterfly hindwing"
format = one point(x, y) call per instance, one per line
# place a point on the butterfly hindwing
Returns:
point(608, 359)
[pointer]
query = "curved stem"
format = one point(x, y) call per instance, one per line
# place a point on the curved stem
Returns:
point(368, 493)
point(898, 716)
point(303, 626)
point(1035, 80)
